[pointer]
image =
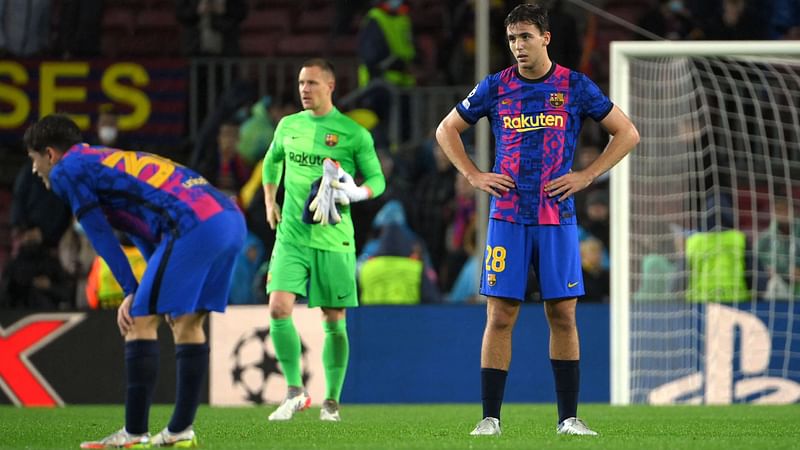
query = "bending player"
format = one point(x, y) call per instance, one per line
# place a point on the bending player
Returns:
point(190, 234)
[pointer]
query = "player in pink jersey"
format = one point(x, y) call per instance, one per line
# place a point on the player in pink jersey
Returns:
point(536, 109)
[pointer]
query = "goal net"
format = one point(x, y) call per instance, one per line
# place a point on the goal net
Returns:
point(705, 220)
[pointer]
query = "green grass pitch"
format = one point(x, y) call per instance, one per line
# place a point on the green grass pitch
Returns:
point(525, 426)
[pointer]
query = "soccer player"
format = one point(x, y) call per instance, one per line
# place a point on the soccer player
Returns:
point(536, 109)
point(190, 234)
point(314, 260)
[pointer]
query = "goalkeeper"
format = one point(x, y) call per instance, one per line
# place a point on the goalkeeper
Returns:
point(315, 260)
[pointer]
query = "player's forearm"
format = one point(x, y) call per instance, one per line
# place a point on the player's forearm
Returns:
point(270, 194)
point(108, 247)
point(374, 180)
point(449, 138)
point(620, 145)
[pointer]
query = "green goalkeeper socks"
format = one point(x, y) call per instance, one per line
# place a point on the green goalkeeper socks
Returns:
point(335, 354)
point(287, 349)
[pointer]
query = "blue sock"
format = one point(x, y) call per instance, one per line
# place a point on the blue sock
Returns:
point(191, 365)
point(493, 385)
point(141, 367)
point(567, 377)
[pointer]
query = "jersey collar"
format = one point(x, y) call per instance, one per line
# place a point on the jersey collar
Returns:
point(536, 80)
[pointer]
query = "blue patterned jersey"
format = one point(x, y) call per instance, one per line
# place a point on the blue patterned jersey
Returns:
point(536, 125)
point(143, 195)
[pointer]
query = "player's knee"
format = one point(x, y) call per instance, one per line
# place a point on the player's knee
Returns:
point(561, 321)
point(500, 321)
point(188, 333)
point(144, 327)
point(279, 312)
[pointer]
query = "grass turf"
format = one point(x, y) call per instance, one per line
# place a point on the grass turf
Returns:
point(525, 426)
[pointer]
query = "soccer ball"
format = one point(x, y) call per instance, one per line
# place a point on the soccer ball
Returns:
point(255, 371)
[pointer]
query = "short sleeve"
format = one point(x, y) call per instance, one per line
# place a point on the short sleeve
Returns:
point(477, 104)
point(593, 102)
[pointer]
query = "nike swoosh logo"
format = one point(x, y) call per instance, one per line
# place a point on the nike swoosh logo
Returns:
point(572, 285)
point(341, 296)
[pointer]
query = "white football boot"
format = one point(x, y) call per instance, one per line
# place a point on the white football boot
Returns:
point(574, 426)
point(489, 426)
point(291, 405)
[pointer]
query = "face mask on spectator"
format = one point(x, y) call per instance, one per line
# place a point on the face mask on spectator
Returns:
point(107, 134)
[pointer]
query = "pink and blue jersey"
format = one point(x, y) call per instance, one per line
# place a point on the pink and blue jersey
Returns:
point(150, 198)
point(536, 124)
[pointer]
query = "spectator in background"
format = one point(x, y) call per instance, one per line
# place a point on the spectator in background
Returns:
point(467, 285)
point(225, 169)
point(585, 156)
point(245, 271)
point(107, 129)
point(671, 20)
point(386, 51)
point(239, 94)
point(785, 19)
point(395, 273)
point(34, 278)
point(432, 211)
point(596, 280)
point(24, 27)
point(102, 289)
point(256, 131)
point(566, 48)
point(778, 250)
point(740, 20)
point(344, 12)
point(77, 256)
point(33, 206)
point(463, 207)
point(595, 220)
point(392, 213)
point(211, 27)
point(79, 28)
point(386, 45)
point(367, 212)
point(716, 256)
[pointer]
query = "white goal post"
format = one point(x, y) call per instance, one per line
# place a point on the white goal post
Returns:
point(705, 111)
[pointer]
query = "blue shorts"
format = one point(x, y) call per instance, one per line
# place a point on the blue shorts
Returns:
point(552, 249)
point(192, 273)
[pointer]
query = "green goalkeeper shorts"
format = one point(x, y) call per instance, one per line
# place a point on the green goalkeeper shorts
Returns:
point(327, 279)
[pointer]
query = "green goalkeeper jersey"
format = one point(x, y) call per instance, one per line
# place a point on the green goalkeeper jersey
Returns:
point(300, 144)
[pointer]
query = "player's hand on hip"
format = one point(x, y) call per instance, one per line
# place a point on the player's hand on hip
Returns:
point(124, 318)
point(273, 216)
point(567, 185)
point(496, 184)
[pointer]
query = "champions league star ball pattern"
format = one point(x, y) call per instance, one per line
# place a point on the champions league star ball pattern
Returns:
point(255, 370)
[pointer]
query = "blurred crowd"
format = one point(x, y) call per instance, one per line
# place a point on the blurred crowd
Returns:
point(417, 242)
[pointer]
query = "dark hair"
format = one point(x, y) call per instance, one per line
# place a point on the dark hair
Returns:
point(322, 63)
point(56, 130)
point(532, 13)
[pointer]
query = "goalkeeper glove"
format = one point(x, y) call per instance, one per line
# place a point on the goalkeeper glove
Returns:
point(346, 185)
point(324, 204)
